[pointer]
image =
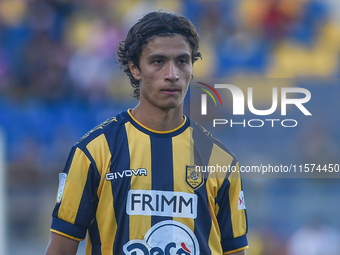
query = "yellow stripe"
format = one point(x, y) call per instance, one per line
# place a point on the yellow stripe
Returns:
point(182, 157)
point(155, 131)
point(240, 249)
point(140, 157)
point(74, 186)
point(219, 158)
point(238, 217)
point(100, 152)
point(106, 220)
point(68, 236)
point(215, 233)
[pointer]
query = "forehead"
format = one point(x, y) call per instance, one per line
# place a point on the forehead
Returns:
point(165, 45)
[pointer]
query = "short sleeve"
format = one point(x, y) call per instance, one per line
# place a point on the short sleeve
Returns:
point(76, 200)
point(231, 215)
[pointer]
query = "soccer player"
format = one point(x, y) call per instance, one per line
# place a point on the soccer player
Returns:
point(132, 183)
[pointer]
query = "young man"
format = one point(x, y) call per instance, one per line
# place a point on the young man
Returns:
point(131, 183)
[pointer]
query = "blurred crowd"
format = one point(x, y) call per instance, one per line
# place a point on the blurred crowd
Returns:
point(59, 76)
point(62, 50)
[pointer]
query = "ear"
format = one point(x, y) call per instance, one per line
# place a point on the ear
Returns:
point(134, 71)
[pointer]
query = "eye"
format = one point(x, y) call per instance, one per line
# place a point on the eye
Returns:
point(158, 61)
point(182, 61)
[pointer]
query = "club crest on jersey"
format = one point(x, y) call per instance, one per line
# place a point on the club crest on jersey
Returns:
point(194, 178)
point(165, 238)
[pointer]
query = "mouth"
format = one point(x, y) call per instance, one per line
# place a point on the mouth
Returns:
point(170, 91)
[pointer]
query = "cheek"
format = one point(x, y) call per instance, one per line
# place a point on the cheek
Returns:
point(147, 76)
point(187, 77)
point(187, 72)
point(150, 78)
point(148, 85)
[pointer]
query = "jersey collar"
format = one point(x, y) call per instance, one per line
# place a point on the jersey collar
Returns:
point(145, 129)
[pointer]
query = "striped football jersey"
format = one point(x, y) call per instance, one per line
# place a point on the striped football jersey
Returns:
point(137, 191)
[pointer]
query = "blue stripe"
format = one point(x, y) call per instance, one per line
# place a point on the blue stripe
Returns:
point(68, 228)
point(95, 239)
point(88, 204)
point(120, 161)
point(69, 160)
point(234, 243)
point(161, 169)
point(224, 214)
point(203, 145)
point(203, 221)
point(89, 200)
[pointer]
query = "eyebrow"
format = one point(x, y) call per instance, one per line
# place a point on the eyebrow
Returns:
point(160, 56)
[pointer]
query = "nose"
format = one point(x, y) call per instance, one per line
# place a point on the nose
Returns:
point(171, 72)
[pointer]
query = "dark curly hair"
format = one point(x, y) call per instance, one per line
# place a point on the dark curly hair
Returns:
point(154, 23)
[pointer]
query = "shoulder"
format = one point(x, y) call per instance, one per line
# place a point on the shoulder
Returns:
point(204, 138)
point(111, 127)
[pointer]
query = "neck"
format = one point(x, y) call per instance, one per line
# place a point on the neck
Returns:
point(159, 119)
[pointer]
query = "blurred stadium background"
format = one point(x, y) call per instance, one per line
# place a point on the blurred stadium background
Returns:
point(59, 78)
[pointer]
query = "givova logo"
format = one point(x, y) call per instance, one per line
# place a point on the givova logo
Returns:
point(165, 238)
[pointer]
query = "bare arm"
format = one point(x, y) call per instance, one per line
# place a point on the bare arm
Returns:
point(61, 245)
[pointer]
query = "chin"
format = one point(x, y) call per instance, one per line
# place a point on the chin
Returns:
point(170, 106)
